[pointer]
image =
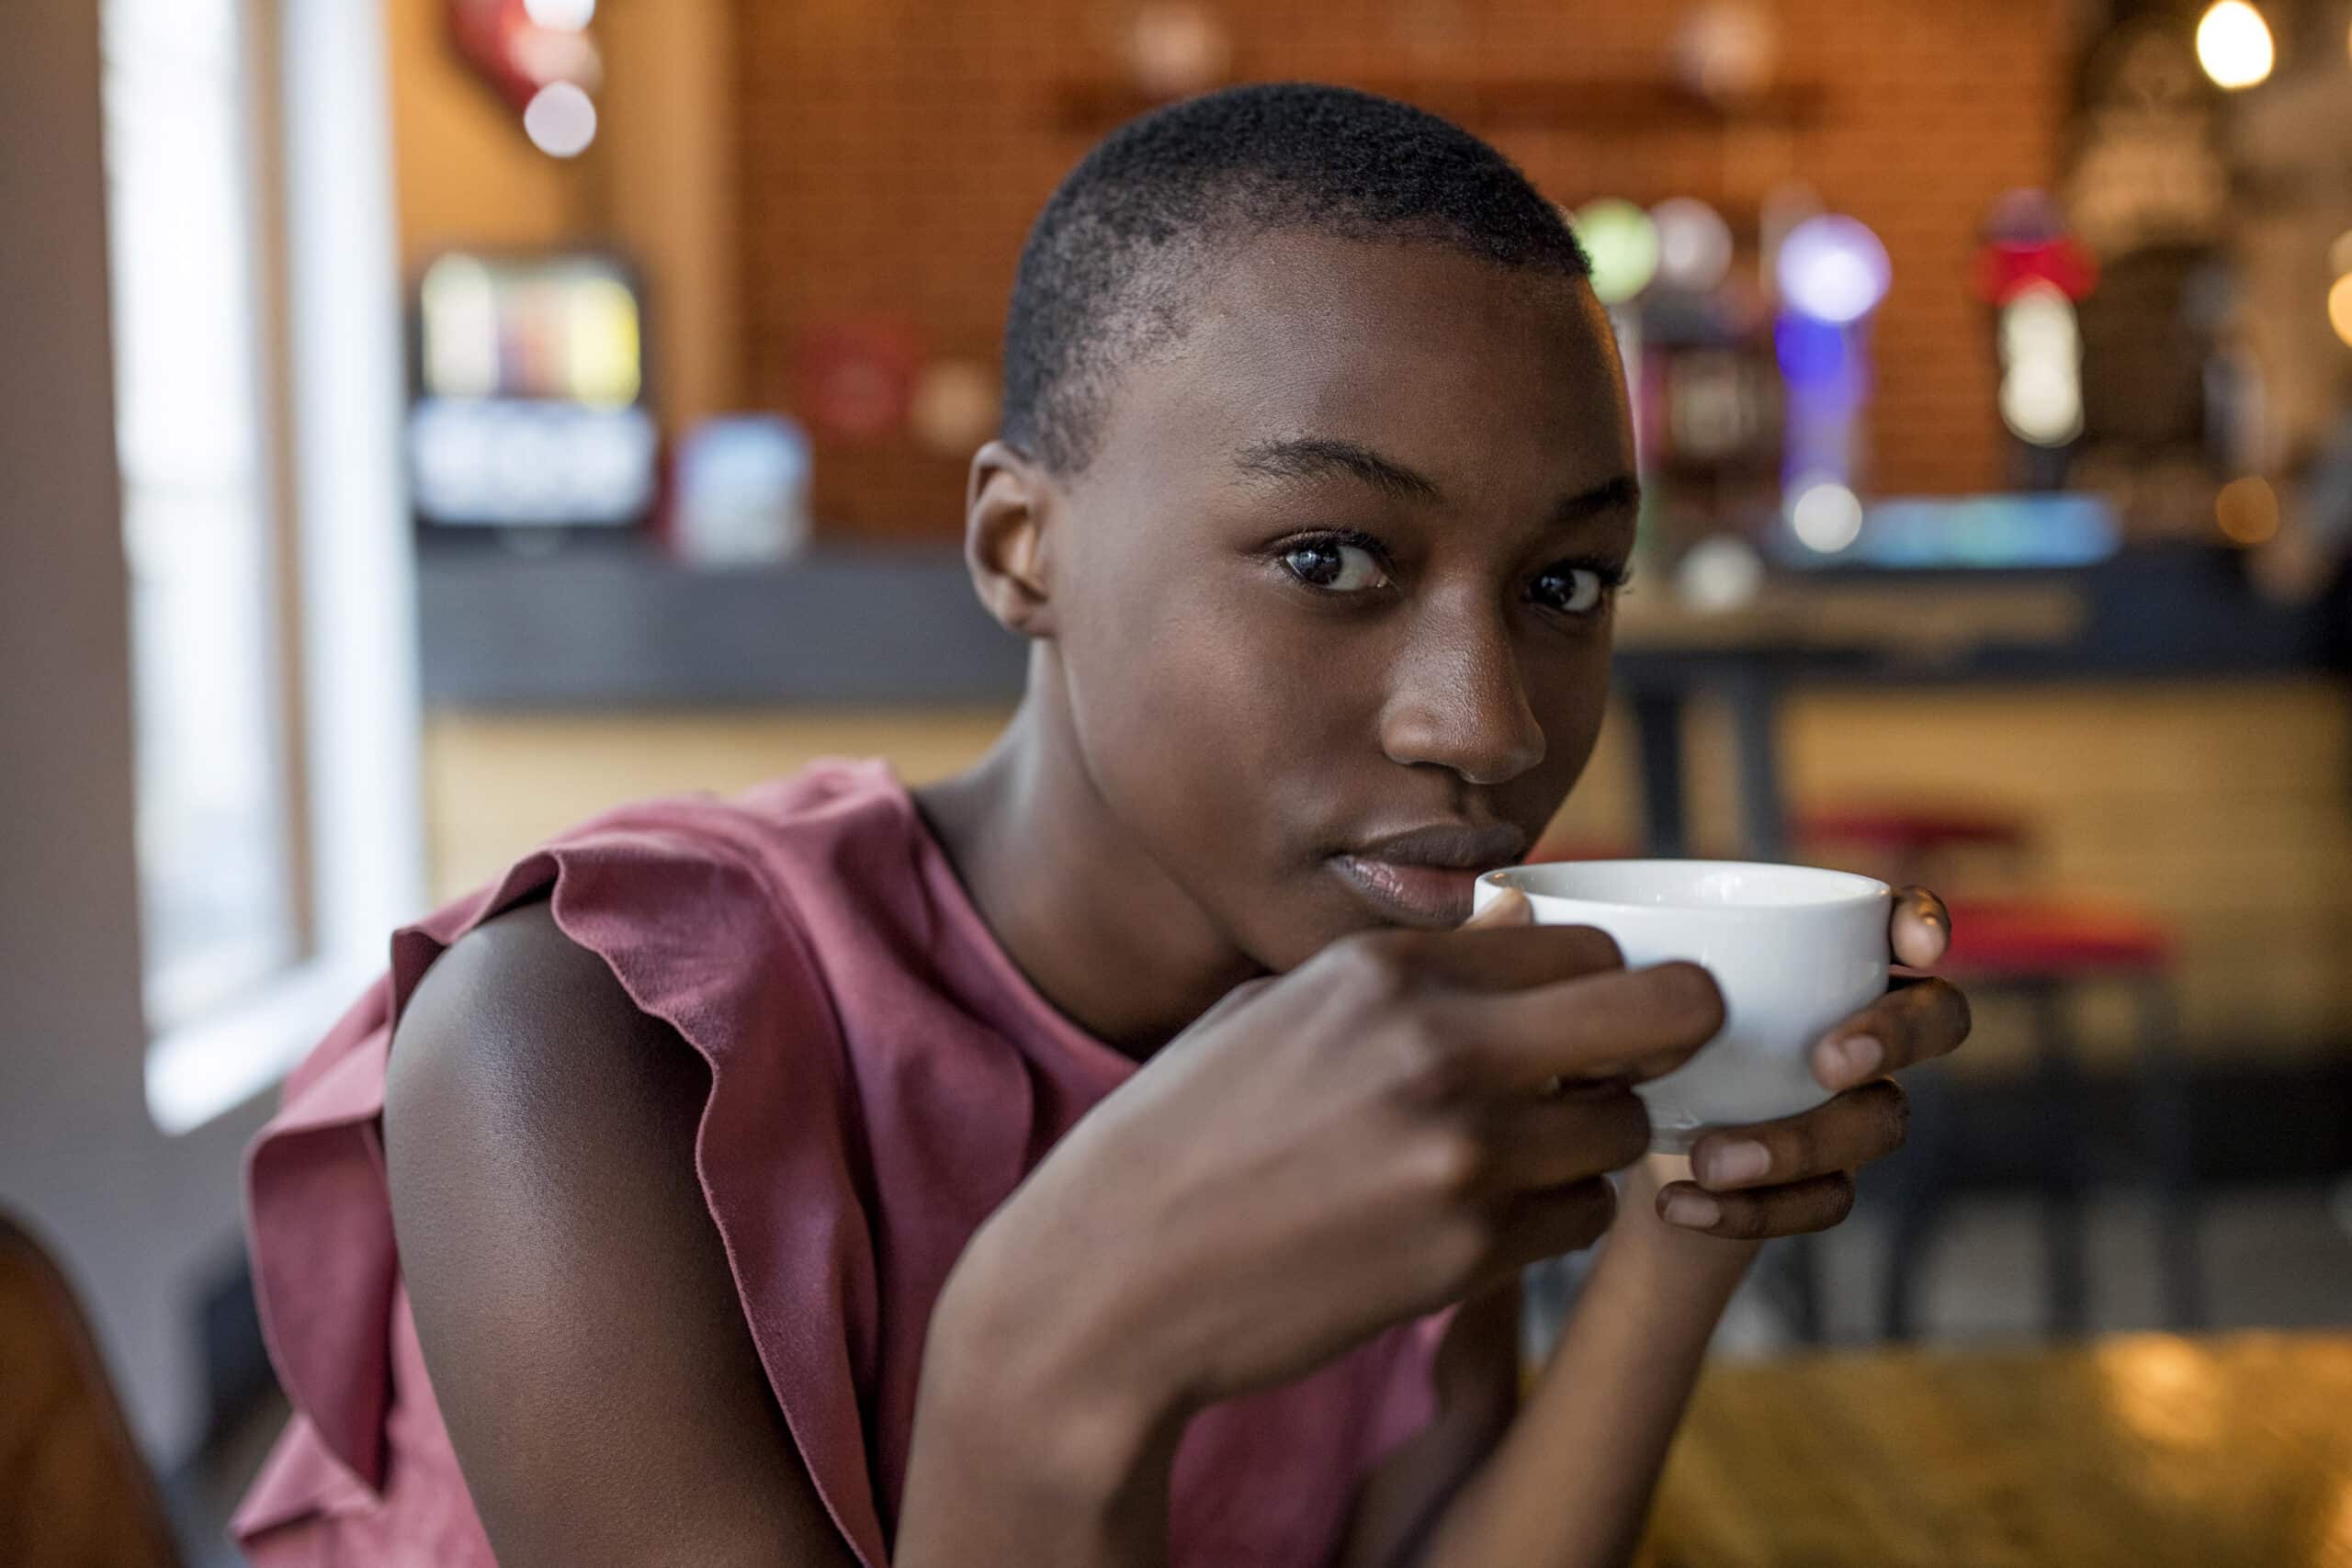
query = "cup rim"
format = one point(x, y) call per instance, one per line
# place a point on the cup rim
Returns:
point(1853, 888)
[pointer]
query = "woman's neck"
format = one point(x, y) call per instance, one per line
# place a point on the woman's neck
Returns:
point(1099, 928)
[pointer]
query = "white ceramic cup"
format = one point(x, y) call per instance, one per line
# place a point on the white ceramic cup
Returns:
point(1795, 949)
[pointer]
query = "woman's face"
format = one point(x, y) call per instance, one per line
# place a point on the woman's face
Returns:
point(1341, 568)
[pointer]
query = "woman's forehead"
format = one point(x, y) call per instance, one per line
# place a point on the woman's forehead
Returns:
point(1449, 365)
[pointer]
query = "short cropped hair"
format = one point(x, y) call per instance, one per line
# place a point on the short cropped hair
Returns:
point(1113, 264)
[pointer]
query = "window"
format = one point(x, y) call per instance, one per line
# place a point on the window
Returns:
point(275, 781)
point(218, 906)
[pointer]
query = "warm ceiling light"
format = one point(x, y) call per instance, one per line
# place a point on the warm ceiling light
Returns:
point(2233, 45)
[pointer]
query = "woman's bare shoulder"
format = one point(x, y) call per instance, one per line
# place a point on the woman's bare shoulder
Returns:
point(506, 995)
point(572, 1293)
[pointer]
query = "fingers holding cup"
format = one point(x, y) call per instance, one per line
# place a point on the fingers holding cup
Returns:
point(1914, 1021)
point(1849, 1132)
point(1919, 928)
point(1817, 1205)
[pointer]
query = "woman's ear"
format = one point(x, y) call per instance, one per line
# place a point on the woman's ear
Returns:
point(1005, 512)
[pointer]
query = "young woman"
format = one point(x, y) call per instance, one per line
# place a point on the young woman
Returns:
point(1121, 1152)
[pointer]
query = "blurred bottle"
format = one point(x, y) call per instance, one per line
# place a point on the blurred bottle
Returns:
point(741, 495)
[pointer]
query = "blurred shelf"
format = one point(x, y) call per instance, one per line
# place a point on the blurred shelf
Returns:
point(1883, 623)
point(614, 623)
point(611, 624)
point(1620, 107)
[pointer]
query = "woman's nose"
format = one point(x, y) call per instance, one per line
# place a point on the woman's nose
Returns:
point(1456, 700)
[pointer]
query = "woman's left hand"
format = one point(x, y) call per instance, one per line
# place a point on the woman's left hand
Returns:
point(1797, 1174)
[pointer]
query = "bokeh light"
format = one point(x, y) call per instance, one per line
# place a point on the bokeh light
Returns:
point(1727, 49)
point(2042, 356)
point(563, 16)
point(458, 322)
point(1622, 242)
point(2041, 402)
point(1826, 517)
point(1719, 573)
point(2339, 306)
point(1176, 48)
point(2233, 45)
point(1693, 244)
point(603, 349)
point(1833, 268)
point(546, 55)
point(560, 120)
point(2247, 510)
point(955, 406)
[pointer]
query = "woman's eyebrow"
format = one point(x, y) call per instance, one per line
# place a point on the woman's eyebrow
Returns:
point(1315, 456)
point(1622, 494)
point(1318, 456)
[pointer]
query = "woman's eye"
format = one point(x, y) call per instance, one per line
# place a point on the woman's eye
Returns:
point(1578, 590)
point(1342, 569)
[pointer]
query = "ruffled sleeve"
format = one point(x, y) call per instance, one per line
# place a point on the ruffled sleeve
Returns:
point(699, 936)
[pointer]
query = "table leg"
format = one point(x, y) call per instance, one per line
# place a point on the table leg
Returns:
point(1658, 721)
point(2165, 1120)
point(2066, 1163)
point(1794, 1263)
point(1914, 1185)
point(1754, 723)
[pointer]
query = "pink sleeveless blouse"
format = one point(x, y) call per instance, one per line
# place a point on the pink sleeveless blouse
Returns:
point(882, 1077)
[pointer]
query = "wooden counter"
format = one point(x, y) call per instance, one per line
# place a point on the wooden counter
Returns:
point(2146, 1451)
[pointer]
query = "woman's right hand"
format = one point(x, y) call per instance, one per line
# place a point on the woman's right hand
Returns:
point(1322, 1154)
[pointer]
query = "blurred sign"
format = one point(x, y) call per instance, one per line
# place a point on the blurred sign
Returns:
point(530, 382)
point(742, 492)
point(857, 377)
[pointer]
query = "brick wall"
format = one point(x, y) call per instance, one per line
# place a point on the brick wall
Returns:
point(892, 153)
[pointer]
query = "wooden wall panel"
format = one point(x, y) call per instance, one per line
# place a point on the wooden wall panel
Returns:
point(2227, 807)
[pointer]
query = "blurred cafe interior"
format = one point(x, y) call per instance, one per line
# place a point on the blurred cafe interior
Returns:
point(428, 422)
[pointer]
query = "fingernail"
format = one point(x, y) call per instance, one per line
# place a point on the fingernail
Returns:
point(1851, 1060)
point(1695, 1210)
point(1743, 1159)
point(1509, 908)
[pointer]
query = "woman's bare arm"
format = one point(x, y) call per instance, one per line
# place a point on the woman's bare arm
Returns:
point(587, 1347)
point(572, 1295)
point(1476, 1379)
point(1571, 1484)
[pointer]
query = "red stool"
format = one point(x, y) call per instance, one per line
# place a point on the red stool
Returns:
point(2038, 949)
point(2024, 939)
point(1911, 832)
point(1912, 843)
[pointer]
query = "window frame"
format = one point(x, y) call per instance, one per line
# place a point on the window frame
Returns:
point(328, 320)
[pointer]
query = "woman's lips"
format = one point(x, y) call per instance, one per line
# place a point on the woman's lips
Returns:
point(1431, 896)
